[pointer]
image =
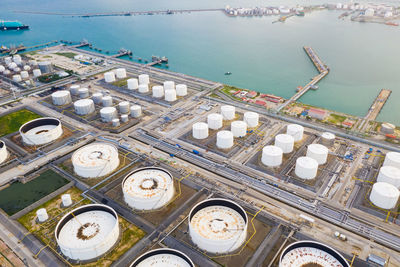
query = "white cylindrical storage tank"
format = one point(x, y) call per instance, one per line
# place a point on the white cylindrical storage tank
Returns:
point(66, 200)
point(296, 131)
point(200, 130)
point(169, 85)
point(285, 142)
point(306, 168)
point(42, 215)
point(133, 84)
point(17, 78)
point(328, 139)
point(2, 68)
point(61, 98)
point(390, 175)
point(109, 77)
point(88, 232)
point(123, 107)
point(95, 160)
point(158, 91)
point(170, 95)
point(121, 73)
point(124, 118)
point(115, 122)
point(107, 114)
point(17, 69)
point(251, 118)
point(3, 152)
point(224, 139)
point(97, 98)
point(272, 156)
point(24, 74)
point(392, 159)
point(136, 111)
point(74, 89)
point(27, 68)
point(181, 89)
point(32, 62)
point(37, 72)
point(7, 60)
point(218, 225)
point(228, 112)
point(163, 257)
point(107, 101)
point(83, 92)
point(41, 131)
point(384, 195)
point(45, 67)
point(143, 88)
point(84, 106)
point(144, 79)
point(17, 59)
point(12, 66)
point(6, 72)
point(387, 128)
point(238, 128)
point(214, 121)
point(318, 152)
point(148, 188)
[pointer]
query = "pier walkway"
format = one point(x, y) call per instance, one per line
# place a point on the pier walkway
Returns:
point(322, 69)
point(375, 108)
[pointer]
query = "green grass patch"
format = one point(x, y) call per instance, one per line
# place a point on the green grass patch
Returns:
point(67, 54)
point(120, 83)
point(12, 122)
point(336, 119)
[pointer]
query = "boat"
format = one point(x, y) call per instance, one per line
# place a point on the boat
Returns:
point(391, 23)
point(299, 88)
point(300, 13)
point(12, 25)
point(228, 73)
point(314, 87)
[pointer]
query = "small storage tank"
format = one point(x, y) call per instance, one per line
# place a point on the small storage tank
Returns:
point(84, 106)
point(136, 111)
point(32, 62)
point(124, 118)
point(306, 168)
point(228, 112)
point(37, 73)
point(328, 139)
point(2, 68)
point(143, 88)
point(272, 156)
point(17, 70)
point(144, 79)
point(7, 60)
point(115, 122)
point(12, 65)
point(123, 107)
point(200, 130)
point(384, 195)
point(181, 89)
point(251, 118)
point(170, 95)
point(218, 225)
point(390, 175)
point(24, 75)
point(27, 68)
point(17, 59)
point(158, 91)
point(107, 101)
point(42, 215)
point(45, 67)
point(169, 85)
point(133, 84)
point(97, 98)
point(109, 77)
point(17, 78)
point(318, 152)
point(163, 257)
point(238, 128)
point(61, 98)
point(296, 131)
point(224, 139)
point(107, 114)
point(74, 89)
point(66, 200)
point(285, 142)
point(83, 93)
point(3, 152)
point(120, 73)
point(214, 121)
point(392, 159)
point(41, 131)
point(387, 128)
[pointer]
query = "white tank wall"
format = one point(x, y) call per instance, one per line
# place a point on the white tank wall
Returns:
point(42, 215)
point(83, 92)
point(390, 175)
point(392, 159)
point(285, 142)
point(107, 101)
point(124, 107)
point(158, 91)
point(66, 200)
point(387, 128)
point(170, 95)
point(318, 152)
point(84, 106)
point(42, 134)
point(124, 118)
point(169, 85)
point(24, 75)
point(17, 78)
point(296, 131)
point(3, 152)
point(97, 98)
point(224, 139)
point(200, 130)
point(328, 139)
point(143, 88)
point(181, 89)
point(251, 118)
point(133, 84)
point(228, 112)
point(306, 168)
point(272, 156)
point(136, 111)
point(238, 128)
point(120, 73)
point(107, 114)
point(115, 122)
point(61, 98)
point(109, 77)
point(214, 121)
point(37, 72)
point(144, 79)
point(74, 89)
point(163, 257)
point(384, 195)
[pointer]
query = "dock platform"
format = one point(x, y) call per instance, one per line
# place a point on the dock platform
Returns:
point(375, 108)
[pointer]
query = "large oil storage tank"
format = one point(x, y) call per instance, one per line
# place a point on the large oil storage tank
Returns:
point(392, 159)
point(306, 168)
point(97, 98)
point(251, 118)
point(214, 121)
point(61, 98)
point(3, 152)
point(95, 160)
point(181, 89)
point(109, 77)
point(107, 114)
point(148, 188)
point(169, 85)
point(120, 73)
point(163, 257)
point(285, 142)
point(390, 175)
point(7, 60)
point(45, 67)
point(218, 225)
point(143, 88)
point(318, 152)
point(84, 106)
point(17, 59)
point(2, 68)
point(200, 130)
point(107, 101)
point(327, 139)
point(170, 95)
point(387, 128)
point(158, 91)
point(74, 89)
point(272, 156)
point(124, 107)
point(144, 79)
point(224, 139)
point(228, 112)
point(17, 78)
point(124, 118)
point(24, 75)
point(133, 84)
point(296, 131)
point(83, 93)
point(87, 232)
point(384, 195)
point(41, 131)
point(36, 73)
point(311, 253)
point(238, 128)
point(136, 111)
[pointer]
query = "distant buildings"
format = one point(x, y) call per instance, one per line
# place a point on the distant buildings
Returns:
point(318, 114)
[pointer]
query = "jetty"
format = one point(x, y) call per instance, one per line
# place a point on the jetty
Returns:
point(121, 53)
point(323, 70)
point(375, 108)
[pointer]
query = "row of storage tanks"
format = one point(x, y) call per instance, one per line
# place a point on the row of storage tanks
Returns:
point(168, 90)
point(19, 70)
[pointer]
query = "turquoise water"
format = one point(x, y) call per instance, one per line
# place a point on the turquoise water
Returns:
point(262, 56)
